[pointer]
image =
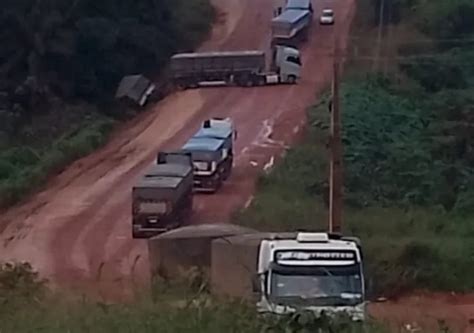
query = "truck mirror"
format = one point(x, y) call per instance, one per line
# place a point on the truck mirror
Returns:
point(161, 158)
point(207, 123)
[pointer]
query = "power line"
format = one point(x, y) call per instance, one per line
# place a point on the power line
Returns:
point(335, 173)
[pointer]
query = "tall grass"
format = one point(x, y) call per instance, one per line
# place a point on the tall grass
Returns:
point(23, 169)
point(177, 306)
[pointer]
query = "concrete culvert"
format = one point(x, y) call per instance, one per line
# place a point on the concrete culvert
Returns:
point(174, 253)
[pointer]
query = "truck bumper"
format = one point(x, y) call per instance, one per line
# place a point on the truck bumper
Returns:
point(139, 231)
point(209, 184)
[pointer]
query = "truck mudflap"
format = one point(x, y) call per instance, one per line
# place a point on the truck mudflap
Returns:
point(209, 184)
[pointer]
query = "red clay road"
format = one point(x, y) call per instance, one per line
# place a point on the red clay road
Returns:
point(77, 231)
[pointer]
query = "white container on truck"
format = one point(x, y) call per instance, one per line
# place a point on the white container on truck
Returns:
point(318, 272)
point(162, 198)
point(243, 68)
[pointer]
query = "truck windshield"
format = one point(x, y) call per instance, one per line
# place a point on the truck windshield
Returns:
point(322, 285)
point(294, 59)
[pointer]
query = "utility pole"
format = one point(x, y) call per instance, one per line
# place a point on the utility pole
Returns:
point(379, 37)
point(335, 174)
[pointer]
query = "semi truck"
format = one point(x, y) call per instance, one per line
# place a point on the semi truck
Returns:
point(162, 199)
point(242, 68)
point(319, 272)
point(221, 129)
point(293, 25)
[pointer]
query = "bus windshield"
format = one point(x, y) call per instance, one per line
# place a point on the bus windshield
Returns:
point(322, 285)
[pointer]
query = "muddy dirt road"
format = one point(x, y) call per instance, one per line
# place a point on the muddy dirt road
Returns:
point(77, 231)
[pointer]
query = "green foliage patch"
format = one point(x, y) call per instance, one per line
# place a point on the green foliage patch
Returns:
point(401, 199)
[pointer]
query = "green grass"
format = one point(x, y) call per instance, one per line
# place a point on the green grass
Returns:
point(182, 306)
point(23, 169)
point(409, 238)
point(147, 316)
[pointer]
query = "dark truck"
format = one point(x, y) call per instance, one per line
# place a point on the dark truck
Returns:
point(242, 68)
point(208, 156)
point(162, 199)
point(221, 129)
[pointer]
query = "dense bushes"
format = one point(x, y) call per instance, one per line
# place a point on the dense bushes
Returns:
point(27, 306)
point(61, 62)
point(401, 199)
point(23, 168)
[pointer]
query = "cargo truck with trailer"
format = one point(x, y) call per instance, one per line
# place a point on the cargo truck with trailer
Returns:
point(221, 129)
point(293, 25)
point(209, 157)
point(162, 199)
point(242, 68)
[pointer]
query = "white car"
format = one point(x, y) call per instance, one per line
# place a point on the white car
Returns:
point(327, 17)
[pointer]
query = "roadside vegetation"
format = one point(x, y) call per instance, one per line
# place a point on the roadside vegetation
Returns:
point(26, 305)
point(61, 63)
point(408, 133)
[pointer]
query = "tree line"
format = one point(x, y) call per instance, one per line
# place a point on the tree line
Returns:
point(78, 50)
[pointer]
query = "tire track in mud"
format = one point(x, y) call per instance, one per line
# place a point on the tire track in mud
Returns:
point(93, 234)
point(214, 106)
point(96, 240)
point(97, 237)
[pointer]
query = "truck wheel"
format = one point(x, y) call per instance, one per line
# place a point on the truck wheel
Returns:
point(291, 79)
point(261, 81)
point(249, 82)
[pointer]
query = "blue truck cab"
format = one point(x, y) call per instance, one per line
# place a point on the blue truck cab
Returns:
point(208, 155)
point(221, 129)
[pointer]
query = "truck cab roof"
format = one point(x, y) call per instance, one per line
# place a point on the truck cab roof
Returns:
point(298, 4)
point(291, 16)
point(203, 144)
point(158, 182)
point(218, 132)
point(168, 170)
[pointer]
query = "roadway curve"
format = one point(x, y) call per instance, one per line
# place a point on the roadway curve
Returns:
point(77, 232)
